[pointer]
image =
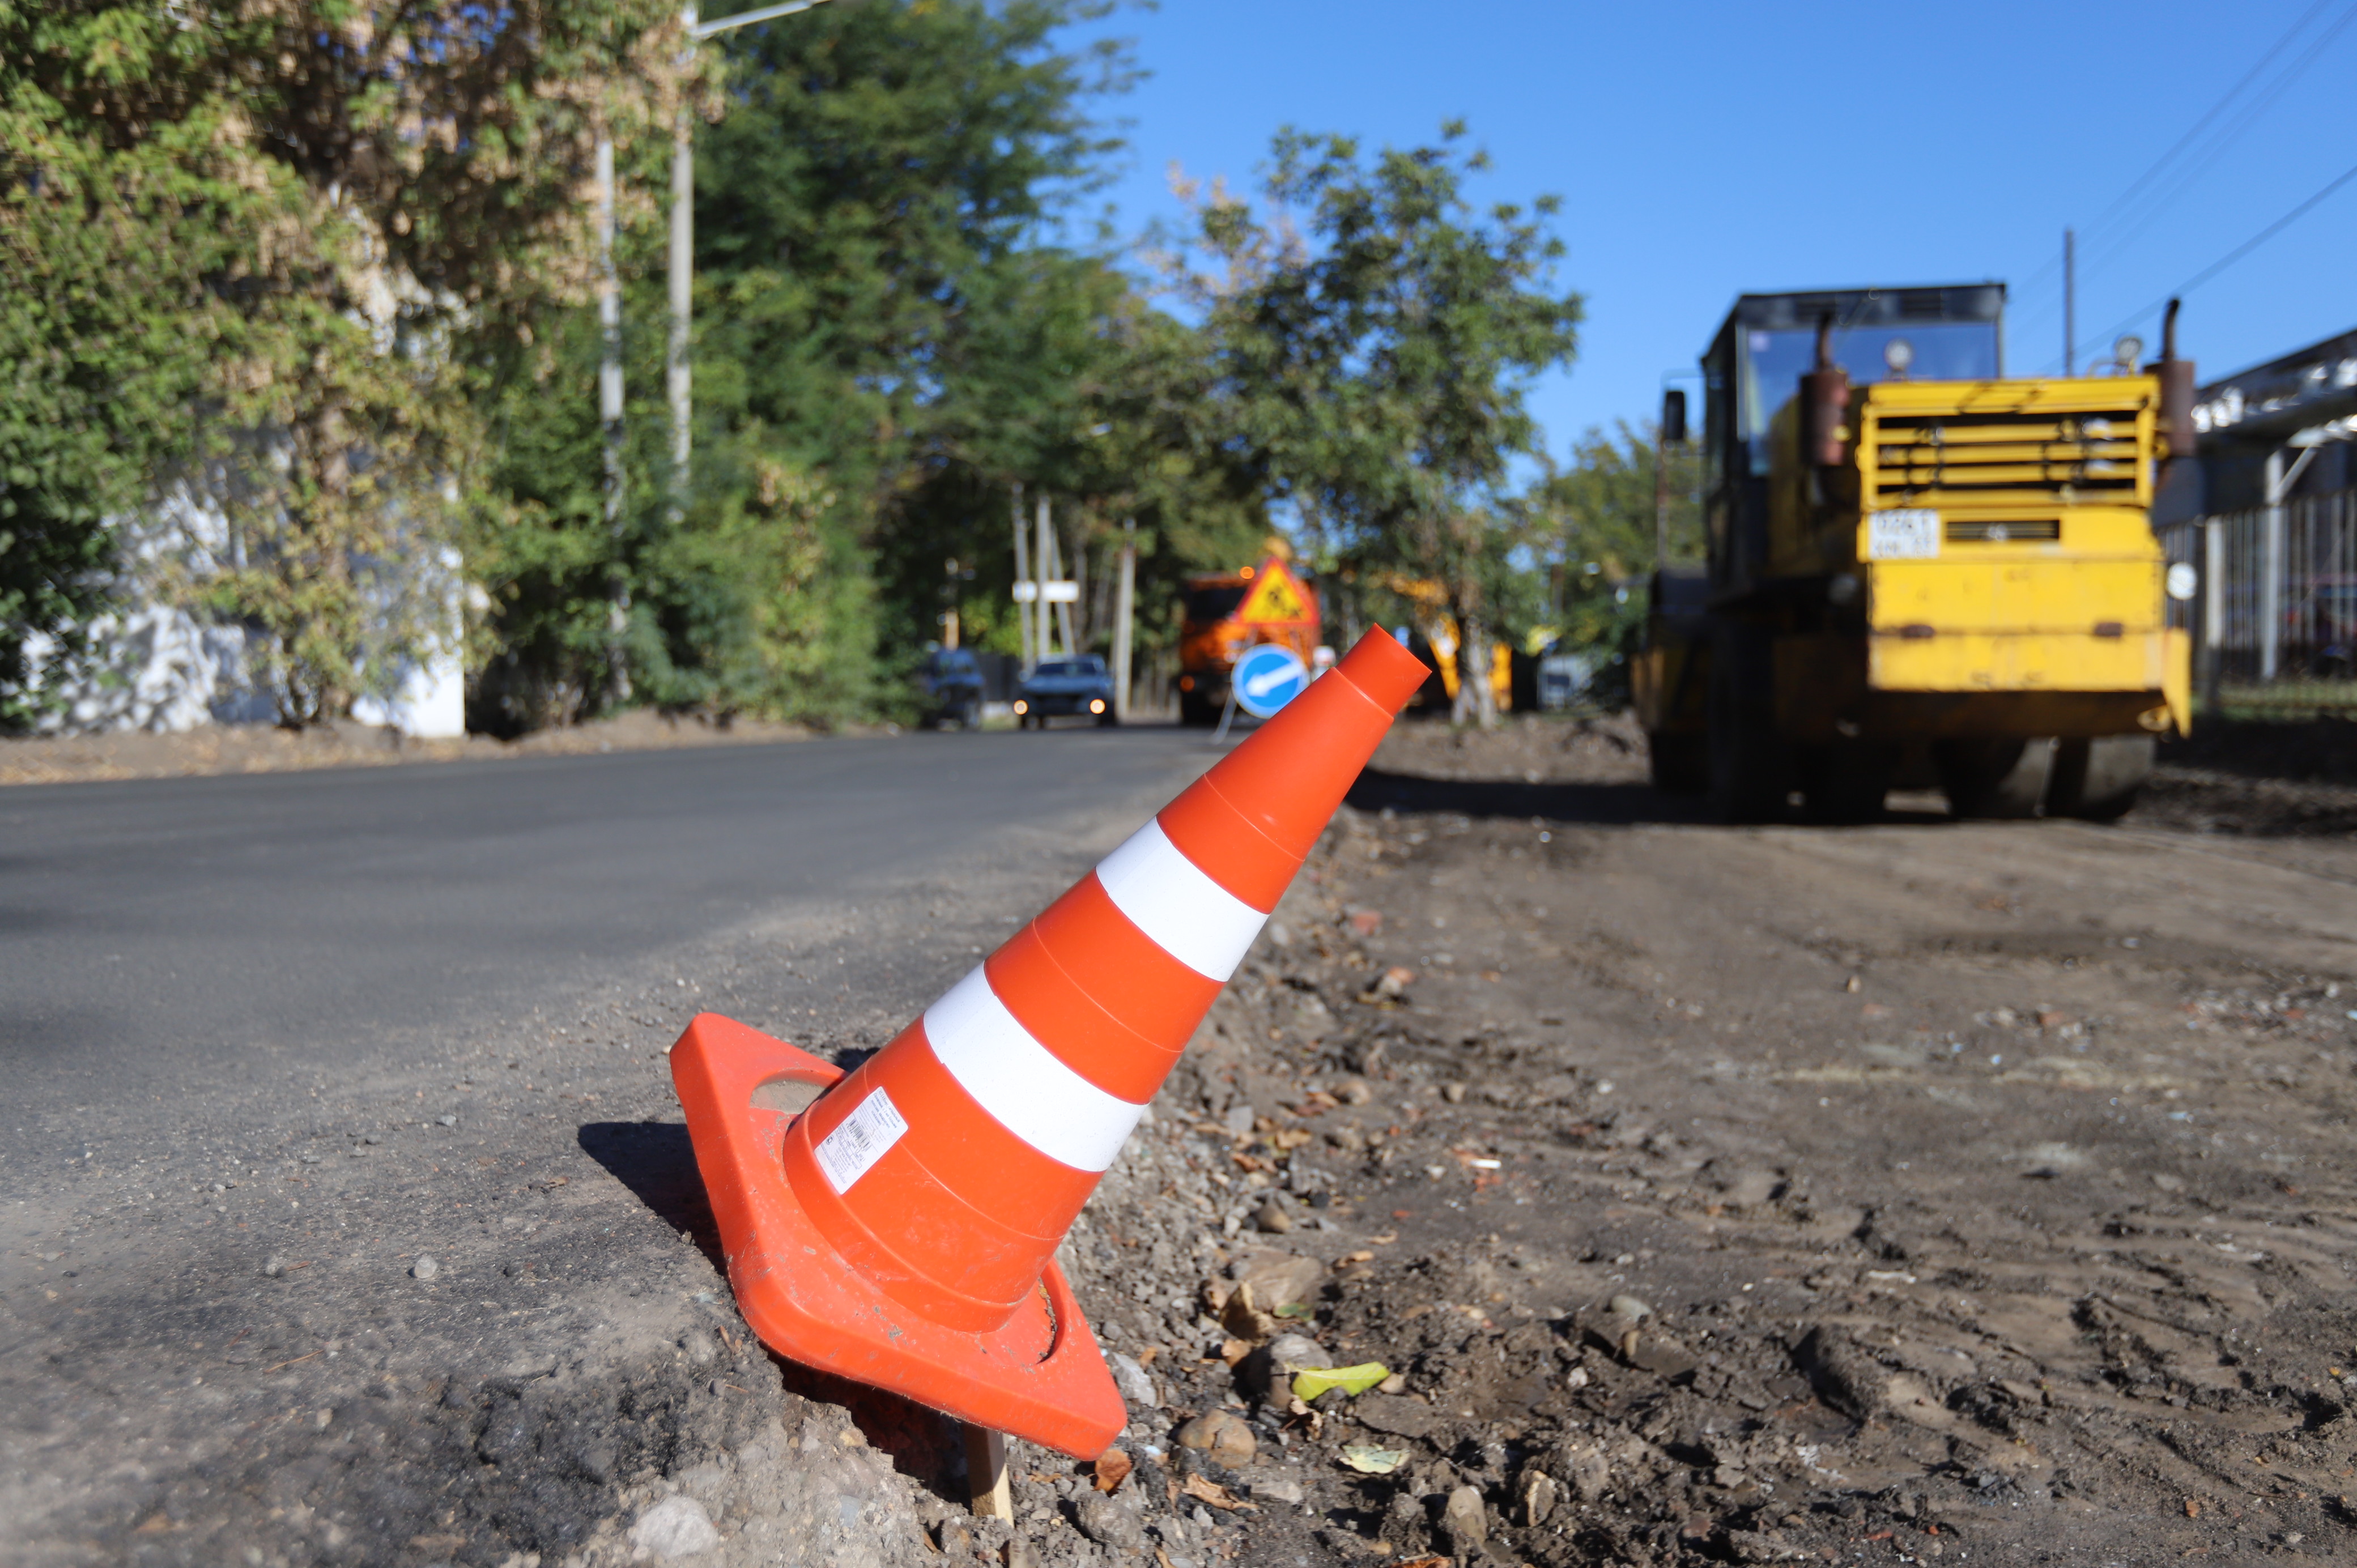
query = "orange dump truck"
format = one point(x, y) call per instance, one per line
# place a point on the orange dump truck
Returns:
point(1229, 613)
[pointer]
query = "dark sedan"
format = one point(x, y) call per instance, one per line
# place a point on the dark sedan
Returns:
point(1065, 688)
point(948, 687)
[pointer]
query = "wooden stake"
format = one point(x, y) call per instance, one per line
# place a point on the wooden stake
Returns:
point(985, 1469)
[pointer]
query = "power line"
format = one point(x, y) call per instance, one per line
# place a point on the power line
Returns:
point(2054, 263)
point(2210, 114)
point(2230, 258)
point(2112, 244)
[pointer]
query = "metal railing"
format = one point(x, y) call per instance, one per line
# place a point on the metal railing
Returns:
point(2275, 619)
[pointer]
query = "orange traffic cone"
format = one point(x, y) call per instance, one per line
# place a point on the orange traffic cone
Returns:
point(901, 1232)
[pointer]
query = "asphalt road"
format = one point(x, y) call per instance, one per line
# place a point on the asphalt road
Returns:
point(272, 1041)
point(165, 936)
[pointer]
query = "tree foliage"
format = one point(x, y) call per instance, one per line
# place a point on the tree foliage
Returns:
point(894, 327)
point(310, 281)
point(1596, 517)
point(251, 255)
point(1377, 336)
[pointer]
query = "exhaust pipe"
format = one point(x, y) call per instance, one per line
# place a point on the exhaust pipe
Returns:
point(1825, 403)
point(2176, 375)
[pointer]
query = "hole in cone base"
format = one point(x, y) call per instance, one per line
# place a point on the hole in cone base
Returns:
point(1020, 1330)
point(789, 1096)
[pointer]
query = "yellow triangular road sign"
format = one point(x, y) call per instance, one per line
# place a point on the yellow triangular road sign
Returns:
point(1276, 598)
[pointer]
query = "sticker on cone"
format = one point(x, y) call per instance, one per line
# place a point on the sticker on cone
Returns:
point(901, 1230)
point(861, 1141)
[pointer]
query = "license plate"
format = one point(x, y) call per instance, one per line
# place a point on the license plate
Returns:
point(1909, 534)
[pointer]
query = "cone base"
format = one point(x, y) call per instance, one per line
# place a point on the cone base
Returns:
point(1039, 1377)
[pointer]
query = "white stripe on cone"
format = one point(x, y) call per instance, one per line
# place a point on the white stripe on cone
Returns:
point(1167, 897)
point(1020, 1082)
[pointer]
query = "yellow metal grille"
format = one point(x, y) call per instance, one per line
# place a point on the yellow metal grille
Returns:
point(1998, 444)
point(1920, 460)
point(2014, 531)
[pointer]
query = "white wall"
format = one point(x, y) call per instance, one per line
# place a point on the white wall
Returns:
point(154, 665)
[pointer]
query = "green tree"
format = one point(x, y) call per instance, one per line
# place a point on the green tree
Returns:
point(1112, 392)
point(888, 216)
point(1378, 336)
point(887, 310)
point(1596, 517)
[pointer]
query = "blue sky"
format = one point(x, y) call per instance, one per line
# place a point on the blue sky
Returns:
point(1706, 149)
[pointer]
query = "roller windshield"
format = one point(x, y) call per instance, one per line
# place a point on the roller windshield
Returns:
point(1774, 362)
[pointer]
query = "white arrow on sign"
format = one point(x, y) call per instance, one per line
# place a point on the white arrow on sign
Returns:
point(1268, 681)
point(1266, 678)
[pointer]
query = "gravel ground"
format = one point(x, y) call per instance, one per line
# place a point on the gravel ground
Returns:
point(1920, 1192)
point(1924, 1191)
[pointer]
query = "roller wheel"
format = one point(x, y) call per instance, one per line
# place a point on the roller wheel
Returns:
point(1846, 782)
point(1681, 763)
point(1995, 780)
point(1750, 765)
point(2097, 780)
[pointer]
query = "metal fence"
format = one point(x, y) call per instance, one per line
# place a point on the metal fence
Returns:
point(2275, 619)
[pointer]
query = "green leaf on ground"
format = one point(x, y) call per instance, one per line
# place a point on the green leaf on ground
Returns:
point(1370, 1460)
point(1308, 1385)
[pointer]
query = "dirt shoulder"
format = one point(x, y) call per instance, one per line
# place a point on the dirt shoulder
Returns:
point(2319, 750)
point(1970, 1191)
point(260, 748)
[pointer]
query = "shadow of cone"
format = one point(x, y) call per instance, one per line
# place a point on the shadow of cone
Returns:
point(901, 1230)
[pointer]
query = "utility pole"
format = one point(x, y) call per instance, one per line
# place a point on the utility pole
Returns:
point(1045, 554)
point(1064, 583)
point(610, 420)
point(1023, 579)
point(1124, 606)
point(2271, 568)
point(2070, 301)
point(610, 325)
point(683, 236)
point(682, 292)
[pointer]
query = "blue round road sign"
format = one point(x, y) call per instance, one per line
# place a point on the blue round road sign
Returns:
point(1268, 677)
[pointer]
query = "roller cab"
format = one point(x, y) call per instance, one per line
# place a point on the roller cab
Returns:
point(1921, 571)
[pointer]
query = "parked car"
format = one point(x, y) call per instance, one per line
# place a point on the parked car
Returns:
point(1077, 688)
point(950, 682)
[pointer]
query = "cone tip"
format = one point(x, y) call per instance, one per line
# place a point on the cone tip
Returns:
point(1386, 671)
